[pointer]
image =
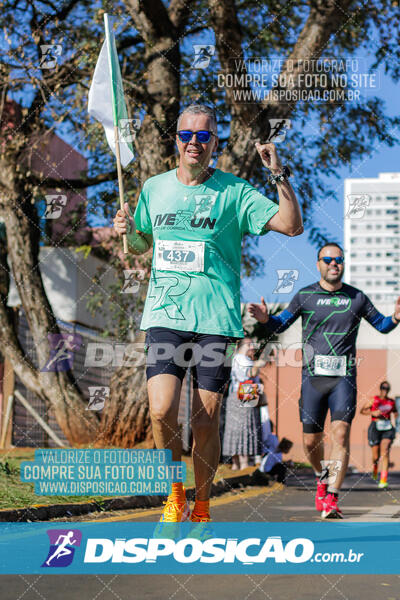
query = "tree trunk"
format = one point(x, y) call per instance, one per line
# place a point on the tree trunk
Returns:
point(127, 421)
point(58, 389)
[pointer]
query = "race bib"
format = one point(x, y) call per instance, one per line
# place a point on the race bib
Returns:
point(383, 424)
point(179, 256)
point(330, 365)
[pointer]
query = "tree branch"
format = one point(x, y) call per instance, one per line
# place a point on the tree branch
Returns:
point(249, 121)
point(179, 12)
point(77, 184)
point(151, 19)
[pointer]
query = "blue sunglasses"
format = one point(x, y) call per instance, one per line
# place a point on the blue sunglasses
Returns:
point(339, 260)
point(202, 136)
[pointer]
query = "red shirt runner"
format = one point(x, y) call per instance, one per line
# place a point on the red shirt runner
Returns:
point(385, 405)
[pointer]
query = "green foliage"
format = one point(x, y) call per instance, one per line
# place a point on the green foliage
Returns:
point(324, 136)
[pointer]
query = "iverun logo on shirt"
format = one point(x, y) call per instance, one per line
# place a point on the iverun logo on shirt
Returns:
point(335, 301)
point(183, 219)
point(197, 216)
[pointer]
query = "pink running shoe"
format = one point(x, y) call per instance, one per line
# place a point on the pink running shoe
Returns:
point(330, 508)
point(320, 495)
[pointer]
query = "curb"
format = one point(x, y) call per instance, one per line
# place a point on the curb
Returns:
point(46, 512)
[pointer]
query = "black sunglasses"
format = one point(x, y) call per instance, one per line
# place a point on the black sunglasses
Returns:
point(385, 388)
point(202, 136)
point(339, 260)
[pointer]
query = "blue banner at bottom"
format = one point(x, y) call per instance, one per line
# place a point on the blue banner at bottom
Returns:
point(209, 548)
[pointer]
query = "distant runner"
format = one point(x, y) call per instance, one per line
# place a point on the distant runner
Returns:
point(197, 217)
point(381, 432)
point(331, 312)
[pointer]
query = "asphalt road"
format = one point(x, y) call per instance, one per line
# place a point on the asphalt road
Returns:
point(360, 501)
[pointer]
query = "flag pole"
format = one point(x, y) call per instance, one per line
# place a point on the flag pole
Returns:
point(120, 183)
point(116, 129)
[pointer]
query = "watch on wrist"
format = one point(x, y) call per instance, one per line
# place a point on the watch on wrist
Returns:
point(397, 321)
point(279, 177)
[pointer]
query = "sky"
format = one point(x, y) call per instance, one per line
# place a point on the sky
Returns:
point(280, 252)
point(298, 254)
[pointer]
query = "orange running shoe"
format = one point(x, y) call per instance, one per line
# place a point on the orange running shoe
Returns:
point(174, 512)
point(201, 528)
point(200, 518)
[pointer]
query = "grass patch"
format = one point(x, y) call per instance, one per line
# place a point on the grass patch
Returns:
point(15, 493)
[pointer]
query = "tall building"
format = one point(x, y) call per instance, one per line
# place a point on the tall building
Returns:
point(371, 235)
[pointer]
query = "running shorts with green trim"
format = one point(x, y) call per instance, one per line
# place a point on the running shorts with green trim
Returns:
point(322, 393)
point(169, 351)
point(375, 437)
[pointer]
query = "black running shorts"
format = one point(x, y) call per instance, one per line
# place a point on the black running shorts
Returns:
point(320, 394)
point(375, 437)
point(171, 351)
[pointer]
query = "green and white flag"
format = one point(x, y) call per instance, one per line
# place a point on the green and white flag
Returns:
point(106, 97)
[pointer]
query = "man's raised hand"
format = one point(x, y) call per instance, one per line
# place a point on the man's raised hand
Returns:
point(397, 309)
point(269, 156)
point(259, 311)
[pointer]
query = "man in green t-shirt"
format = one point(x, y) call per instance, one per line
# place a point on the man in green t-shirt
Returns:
point(196, 217)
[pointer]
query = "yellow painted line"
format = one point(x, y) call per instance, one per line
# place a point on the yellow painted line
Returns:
point(214, 502)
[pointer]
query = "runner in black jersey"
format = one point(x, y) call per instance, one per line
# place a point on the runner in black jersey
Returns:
point(331, 312)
